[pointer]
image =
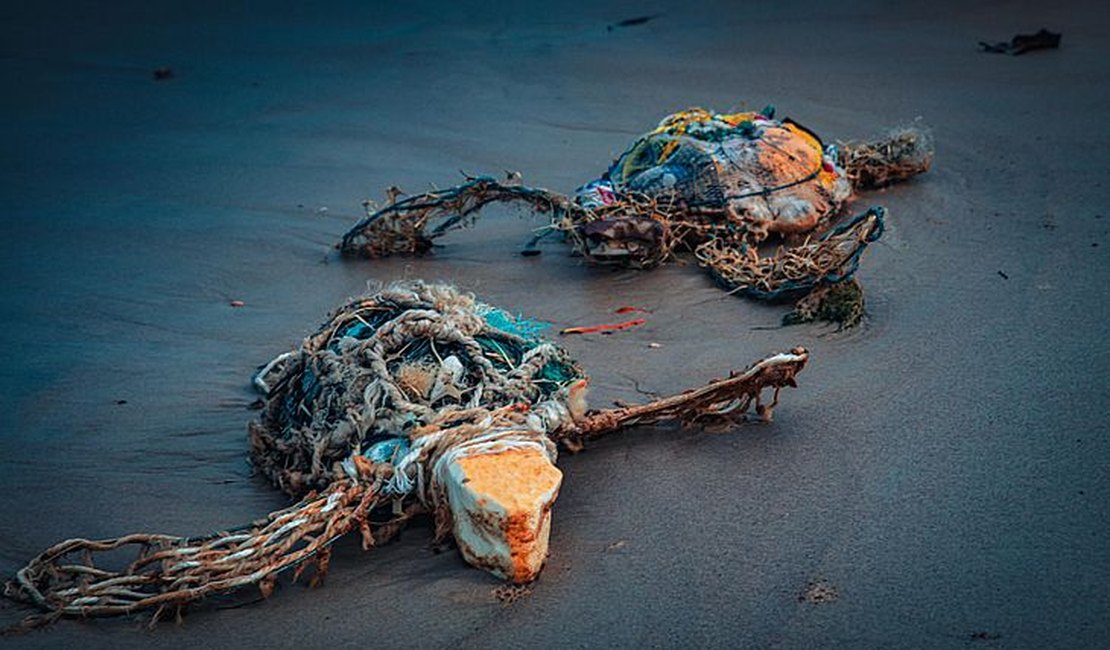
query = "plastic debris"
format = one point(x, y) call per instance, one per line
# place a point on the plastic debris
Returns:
point(609, 327)
point(501, 508)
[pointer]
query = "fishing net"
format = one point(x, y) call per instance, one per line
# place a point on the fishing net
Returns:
point(901, 154)
point(391, 362)
point(830, 259)
point(701, 183)
point(769, 176)
point(361, 421)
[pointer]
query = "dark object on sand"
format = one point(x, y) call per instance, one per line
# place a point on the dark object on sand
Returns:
point(713, 185)
point(633, 22)
point(162, 74)
point(415, 400)
point(836, 303)
point(819, 592)
point(1022, 43)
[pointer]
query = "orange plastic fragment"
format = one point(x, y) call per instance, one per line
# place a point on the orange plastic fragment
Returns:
point(608, 327)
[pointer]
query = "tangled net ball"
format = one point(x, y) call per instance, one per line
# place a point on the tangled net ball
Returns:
point(385, 364)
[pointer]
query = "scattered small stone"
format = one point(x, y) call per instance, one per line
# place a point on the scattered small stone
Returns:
point(984, 636)
point(818, 592)
point(238, 303)
point(162, 74)
point(510, 593)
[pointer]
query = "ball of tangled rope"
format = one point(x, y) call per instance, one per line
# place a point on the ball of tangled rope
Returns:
point(714, 185)
point(415, 400)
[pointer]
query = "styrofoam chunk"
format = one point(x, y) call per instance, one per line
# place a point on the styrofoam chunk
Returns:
point(501, 506)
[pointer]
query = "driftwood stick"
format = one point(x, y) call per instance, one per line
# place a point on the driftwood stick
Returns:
point(720, 398)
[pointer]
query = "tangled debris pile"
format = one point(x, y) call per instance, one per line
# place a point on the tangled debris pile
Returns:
point(831, 259)
point(417, 399)
point(714, 185)
point(386, 363)
point(904, 152)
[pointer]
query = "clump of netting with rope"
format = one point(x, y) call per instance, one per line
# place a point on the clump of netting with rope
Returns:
point(716, 186)
point(385, 364)
point(359, 423)
point(903, 153)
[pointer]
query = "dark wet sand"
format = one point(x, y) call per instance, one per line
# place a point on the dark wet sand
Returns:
point(942, 469)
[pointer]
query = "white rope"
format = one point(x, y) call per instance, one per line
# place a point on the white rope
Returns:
point(259, 378)
point(410, 472)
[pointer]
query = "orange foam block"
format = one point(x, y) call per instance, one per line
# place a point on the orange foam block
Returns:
point(501, 506)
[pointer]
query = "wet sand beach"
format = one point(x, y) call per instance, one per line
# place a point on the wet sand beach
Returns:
point(938, 479)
